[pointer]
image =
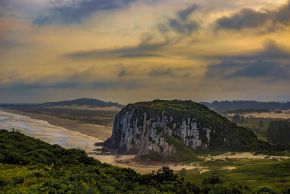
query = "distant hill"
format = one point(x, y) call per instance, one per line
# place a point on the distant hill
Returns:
point(223, 106)
point(82, 102)
point(85, 110)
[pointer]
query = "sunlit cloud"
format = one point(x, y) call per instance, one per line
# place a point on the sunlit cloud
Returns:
point(132, 50)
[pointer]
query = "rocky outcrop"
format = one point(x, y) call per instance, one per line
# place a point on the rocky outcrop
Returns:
point(147, 127)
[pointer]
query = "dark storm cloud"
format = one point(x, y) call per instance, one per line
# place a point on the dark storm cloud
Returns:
point(182, 27)
point(141, 50)
point(270, 64)
point(269, 70)
point(5, 8)
point(161, 72)
point(164, 71)
point(248, 18)
point(181, 23)
point(185, 13)
point(4, 3)
point(77, 10)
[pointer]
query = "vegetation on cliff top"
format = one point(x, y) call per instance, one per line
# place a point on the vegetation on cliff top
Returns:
point(237, 138)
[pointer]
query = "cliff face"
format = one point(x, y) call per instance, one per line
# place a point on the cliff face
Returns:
point(149, 127)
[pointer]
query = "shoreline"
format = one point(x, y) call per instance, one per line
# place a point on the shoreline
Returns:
point(128, 161)
point(99, 131)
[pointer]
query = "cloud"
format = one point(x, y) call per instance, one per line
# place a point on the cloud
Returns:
point(185, 13)
point(161, 72)
point(269, 70)
point(5, 9)
point(271, 51)
point(8, 44)
point(67, 79)
point(251, 19)
point(139, 51)
point(182, 27)
point(271, 64)
point(170, 72)
point(70, 84)
point(77, 10)
point(181, 23)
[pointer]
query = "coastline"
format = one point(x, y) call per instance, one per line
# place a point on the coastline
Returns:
point(99, 131)
point(76, 131)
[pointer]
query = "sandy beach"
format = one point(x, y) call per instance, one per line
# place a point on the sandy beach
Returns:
point(46, 132)
point(98, 131)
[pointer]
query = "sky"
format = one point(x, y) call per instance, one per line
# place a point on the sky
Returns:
point(133, 50)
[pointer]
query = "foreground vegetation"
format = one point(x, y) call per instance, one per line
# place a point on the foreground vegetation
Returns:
point(28, 165)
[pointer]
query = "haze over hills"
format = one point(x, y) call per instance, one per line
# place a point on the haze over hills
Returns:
point(246, 105)
point(84, 110)
point(216, 105)
point(76, 102)
point(82, 102)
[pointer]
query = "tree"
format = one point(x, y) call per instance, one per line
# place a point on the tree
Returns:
point(279, 132)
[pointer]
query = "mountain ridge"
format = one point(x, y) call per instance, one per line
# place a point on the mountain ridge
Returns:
point(246, 105)
point(78, 102)
point(81, 102)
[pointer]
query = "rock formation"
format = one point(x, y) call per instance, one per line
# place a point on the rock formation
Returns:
point(149, 127)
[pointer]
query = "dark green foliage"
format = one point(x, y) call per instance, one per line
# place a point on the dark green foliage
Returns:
point(212, 180)
point(265, 190)
point(16, 148)
point(37, 167)
point(279, 132)
point(183, 153)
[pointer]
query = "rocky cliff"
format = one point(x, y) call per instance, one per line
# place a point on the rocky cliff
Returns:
point(168, 127)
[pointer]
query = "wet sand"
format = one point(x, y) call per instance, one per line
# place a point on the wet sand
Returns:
point(128, 161)
point(48, 133)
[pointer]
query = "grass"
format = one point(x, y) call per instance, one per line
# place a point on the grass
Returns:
point(253, 173)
